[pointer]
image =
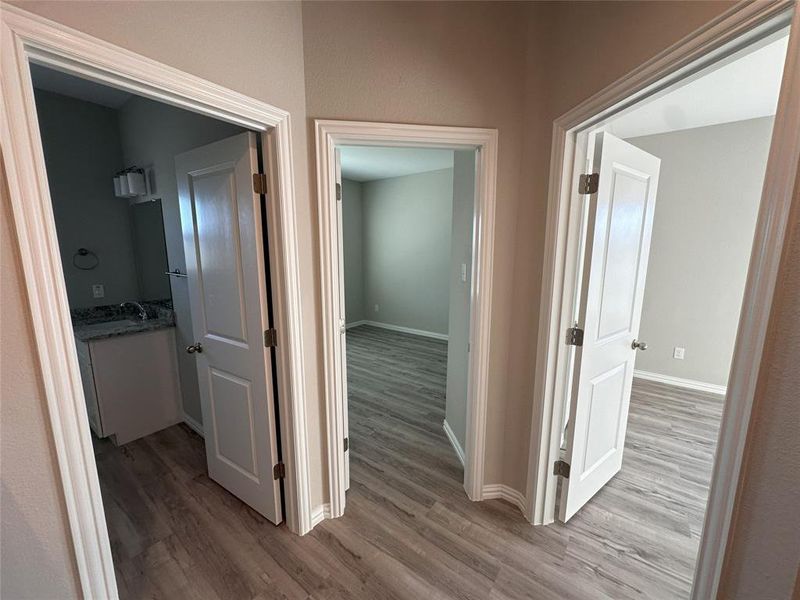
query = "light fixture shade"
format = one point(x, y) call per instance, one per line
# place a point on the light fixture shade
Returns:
point(136, 183)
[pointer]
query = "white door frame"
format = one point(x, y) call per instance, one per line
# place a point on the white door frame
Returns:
point(30, 38)
point(721, 38)
point(329, 135)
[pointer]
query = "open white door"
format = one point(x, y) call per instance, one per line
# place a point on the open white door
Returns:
point(222, 236)
point(618, 246)
point(342, 316)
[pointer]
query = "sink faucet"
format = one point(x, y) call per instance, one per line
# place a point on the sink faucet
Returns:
point(139, 307)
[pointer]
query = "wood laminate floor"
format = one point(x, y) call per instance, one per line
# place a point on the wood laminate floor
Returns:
point(409, 531)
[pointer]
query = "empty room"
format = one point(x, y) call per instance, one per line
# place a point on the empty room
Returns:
point(329, 299)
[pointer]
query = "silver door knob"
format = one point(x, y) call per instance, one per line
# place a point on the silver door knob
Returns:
point(196, 347)
point(637, 345)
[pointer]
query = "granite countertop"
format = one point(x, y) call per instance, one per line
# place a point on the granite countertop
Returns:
point(109, 321)
point(95, 331)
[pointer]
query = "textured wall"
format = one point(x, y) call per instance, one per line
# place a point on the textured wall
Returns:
point(442, 63)
point(702, 237)
point(406, 229)
point(352, 247)
point(458, 324)
point(35, 545)
point(82, 152)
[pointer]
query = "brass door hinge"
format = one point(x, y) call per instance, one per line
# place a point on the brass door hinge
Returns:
point(346, 444)
point(588, 183)
point(270, 338)
point(561, 469)
point(575, 336)
point(260, 183)
point(279, 471)
point(339, 192)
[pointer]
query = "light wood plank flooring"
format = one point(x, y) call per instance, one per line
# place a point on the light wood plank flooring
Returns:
point(409, 530)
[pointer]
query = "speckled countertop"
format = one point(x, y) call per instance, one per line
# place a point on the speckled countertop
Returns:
point(110, 321)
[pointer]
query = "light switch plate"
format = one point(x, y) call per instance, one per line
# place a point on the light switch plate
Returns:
point(464, 272)
point(98, 290)
point(377, 308)
point(678, 352)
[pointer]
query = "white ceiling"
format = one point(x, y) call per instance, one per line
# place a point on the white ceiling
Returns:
point(368, 163)
point(50, 80)
point(746, 88)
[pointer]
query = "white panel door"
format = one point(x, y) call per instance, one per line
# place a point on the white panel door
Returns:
point(222, 236)
point(618, 245)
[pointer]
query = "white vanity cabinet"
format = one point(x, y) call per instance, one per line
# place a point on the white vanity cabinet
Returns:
point(130, 383)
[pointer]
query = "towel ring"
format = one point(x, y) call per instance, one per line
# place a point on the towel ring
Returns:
point(93, 260)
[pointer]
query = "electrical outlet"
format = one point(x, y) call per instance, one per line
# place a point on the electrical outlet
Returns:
point(98, 290)
point(678, 352)
point(377, 308)
point(464, 272)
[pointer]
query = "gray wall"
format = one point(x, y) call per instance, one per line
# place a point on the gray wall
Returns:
point(352, 242)
point(406, 249)
point(708, 198)
point(82, 152)
point(459, 312)
point(152, 134)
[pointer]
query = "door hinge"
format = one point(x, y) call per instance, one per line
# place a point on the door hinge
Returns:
point(561, 469)
point(260, 183)
point(575, 336)
point(270, 338)
point(279, 471)
point(339, 192)
point(588, 183)
point(346, 444)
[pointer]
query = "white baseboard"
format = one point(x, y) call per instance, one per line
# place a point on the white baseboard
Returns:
point(423, 333)
point(193, 425)
point(319, 514)
point(690, 384)
point(504, 492)
point(454, 442)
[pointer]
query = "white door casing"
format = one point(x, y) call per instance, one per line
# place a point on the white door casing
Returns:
point(223, 242)
point(617, 251)
point(342, 314)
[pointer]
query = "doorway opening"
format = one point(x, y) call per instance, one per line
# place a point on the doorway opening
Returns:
point(407, 216)
point(163, 241)
point(656, 299)
point(444, 251)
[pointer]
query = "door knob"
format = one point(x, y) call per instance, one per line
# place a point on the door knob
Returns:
point(196, 347)
point(637, 345)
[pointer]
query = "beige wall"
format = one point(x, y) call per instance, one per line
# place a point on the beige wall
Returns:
point(510, 66)
point(36, 549)
point(443, 64)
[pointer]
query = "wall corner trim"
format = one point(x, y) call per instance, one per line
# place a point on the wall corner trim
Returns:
point(499, 491)
point(454, 442)
point(320, 513)
point(194, 425)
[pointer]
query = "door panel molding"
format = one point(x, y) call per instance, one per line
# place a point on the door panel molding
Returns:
point(329, 135)
point(26, 37)
point(719, 39)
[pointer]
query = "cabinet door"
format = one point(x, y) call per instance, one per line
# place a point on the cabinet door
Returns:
point(89, 393)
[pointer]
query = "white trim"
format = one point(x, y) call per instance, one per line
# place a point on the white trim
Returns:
point(193, 424)
point(718, 39)
point(329, 135)
point(409, 330)
point(494, 491)
point(448, 431)
point(356, 324)
point(26, 37)
point(320, 513)
point(689, 384)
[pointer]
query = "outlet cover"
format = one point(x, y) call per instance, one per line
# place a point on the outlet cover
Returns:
point(98, 290)
point(377, 308)
point(678, 352)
